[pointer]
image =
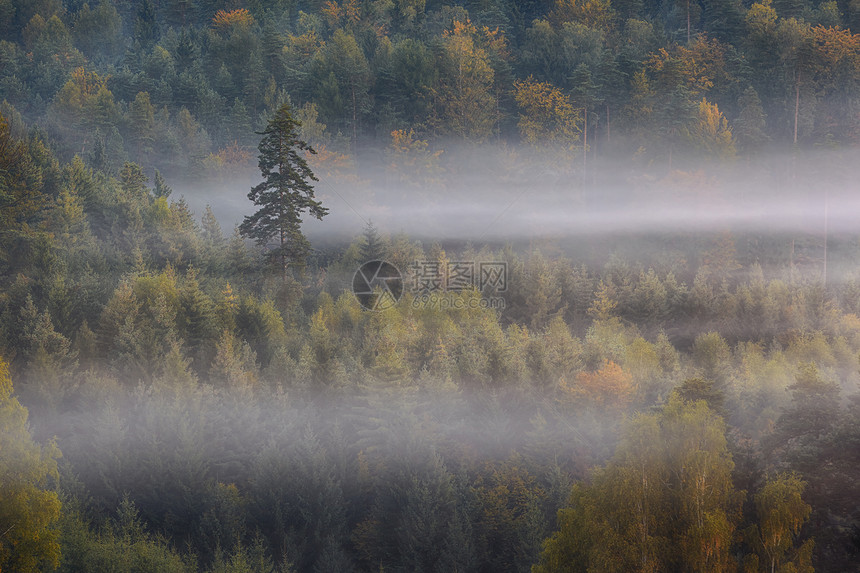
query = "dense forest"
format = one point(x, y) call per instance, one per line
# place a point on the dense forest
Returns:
point(181, 85)
point(173, 397)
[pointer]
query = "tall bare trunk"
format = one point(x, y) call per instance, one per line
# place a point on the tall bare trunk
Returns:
point(688, 21)
point(354, 118)
point(595, 137)
point(791, 260)
point(607, 124)
point(796, 104)
point(584, 140)
point(284, 263)
point(825, 236)
point(584, 147)
point(282, 232)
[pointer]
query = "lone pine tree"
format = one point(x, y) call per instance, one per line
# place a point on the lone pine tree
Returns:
point(284, 195)
point(372, 246)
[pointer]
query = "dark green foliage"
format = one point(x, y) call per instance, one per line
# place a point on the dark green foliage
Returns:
point(161, 189)
point(146, 28)
point(21, 181)
point(285, 195)
point(97, 30)
point(196, 321)
point(694, 389)
point(750, 127)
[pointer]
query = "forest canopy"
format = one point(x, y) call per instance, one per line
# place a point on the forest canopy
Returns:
point(658, 374)
point(181, 85)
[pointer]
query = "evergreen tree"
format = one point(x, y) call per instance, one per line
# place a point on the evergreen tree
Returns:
point(196, 320)
point(161, 189)
point(371, 244)
point(285, 194)
point(20, 182)
point(146, 28)
point(211, 228)
point(750, 125)
point(98, 156)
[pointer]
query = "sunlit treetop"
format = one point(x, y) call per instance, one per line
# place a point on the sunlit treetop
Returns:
point(234, 19)
point(697, 65)
point(596, 14)
point(547, 116)
point(344, 13)
point(89, 83)
point(493, 40)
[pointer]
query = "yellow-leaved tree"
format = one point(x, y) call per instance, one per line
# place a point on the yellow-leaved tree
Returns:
point(468, 108)
point(224, 20)
point(781, 513)
point(412, 159)
point(29, 507)
point(665, 501)
point(596, 14)
point(547, 117)
point(83, 106)
point(710, 132)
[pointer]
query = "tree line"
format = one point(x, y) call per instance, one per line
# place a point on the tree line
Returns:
point(214, 416)
point(182, 85)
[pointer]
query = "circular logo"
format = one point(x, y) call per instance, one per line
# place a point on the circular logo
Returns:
point(377, 285)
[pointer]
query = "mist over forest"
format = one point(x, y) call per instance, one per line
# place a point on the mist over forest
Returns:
point(414, 286)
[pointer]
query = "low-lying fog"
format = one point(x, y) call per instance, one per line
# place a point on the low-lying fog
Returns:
point(498, 202)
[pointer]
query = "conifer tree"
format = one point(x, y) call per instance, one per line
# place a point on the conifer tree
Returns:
point(285, 194)
point(371, 246)
point(161, 188)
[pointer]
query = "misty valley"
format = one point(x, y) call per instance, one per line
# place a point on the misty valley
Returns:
point(411, 286)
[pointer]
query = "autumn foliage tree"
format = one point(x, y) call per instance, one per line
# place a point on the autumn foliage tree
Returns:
point(548, 118)
point(781, 512)
point(610, 387)
point(665, 500)
point(465, 91)
point(85, 102)
point(710, 132)
point(224, 20)
point(593, 13)
point(28, 506)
